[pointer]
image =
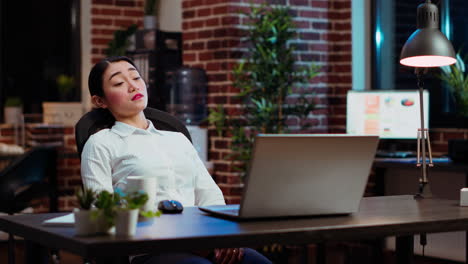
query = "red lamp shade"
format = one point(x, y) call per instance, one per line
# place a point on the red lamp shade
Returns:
point(427, 46)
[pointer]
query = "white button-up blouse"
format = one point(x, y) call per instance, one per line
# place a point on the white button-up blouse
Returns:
point(110, 155)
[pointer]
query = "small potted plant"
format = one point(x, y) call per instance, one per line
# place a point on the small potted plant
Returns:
point(117, 209)
point(106, 203)
point(149, 20)
point(122, 41)
point(85, 222)
point(64, 111)
point(13, 110)
point(128, 211)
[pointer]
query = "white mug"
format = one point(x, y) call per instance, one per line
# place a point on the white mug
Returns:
point(145, 184)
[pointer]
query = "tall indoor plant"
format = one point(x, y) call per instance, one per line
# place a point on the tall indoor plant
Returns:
point(265, 78)
point(456, 78)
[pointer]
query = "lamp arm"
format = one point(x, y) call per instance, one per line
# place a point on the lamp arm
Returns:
point(421, 132)
point(423, 138)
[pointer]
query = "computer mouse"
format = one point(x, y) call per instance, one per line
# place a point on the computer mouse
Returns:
point(170, 207)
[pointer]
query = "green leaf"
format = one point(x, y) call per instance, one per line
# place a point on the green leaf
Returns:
point(120, 43)
point(134, 200)
point(457, 80)
point(150, 214)
point(265, 78)
point(217, 118)
point(107, 203)
point(85, 197)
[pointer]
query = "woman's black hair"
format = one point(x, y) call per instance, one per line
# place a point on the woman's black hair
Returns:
point(95, 81)
point(95, 85)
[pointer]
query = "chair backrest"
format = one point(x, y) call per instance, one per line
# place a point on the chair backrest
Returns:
point(98, 119)
point(31, 175)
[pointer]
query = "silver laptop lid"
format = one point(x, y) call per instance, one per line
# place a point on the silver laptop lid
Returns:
point(307, 174)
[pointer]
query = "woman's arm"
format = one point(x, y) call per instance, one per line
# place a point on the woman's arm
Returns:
point(207, 191)
point(96, 171)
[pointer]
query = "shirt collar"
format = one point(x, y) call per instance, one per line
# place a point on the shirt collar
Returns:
point(124, 130)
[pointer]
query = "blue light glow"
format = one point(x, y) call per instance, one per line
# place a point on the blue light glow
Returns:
point(446, 26)
point(378, 38)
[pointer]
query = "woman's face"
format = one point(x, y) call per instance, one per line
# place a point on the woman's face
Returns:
point(125, 92)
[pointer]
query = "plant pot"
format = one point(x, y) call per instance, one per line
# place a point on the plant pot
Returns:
point(13, 115)
point(149, 22)
point(91, 222)
point(102, 226)
point(85, 225)
point(126, 222)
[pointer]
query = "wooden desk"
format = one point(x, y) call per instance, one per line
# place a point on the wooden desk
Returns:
point(381, 165)
point(400, 216)
point(397, 176)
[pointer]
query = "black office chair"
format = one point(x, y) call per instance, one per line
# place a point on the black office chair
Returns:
point(98, 119)
point(30, 176)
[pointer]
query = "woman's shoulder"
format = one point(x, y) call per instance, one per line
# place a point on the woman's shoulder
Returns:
point(175, 135)
point(101, 138)
point(103, 133)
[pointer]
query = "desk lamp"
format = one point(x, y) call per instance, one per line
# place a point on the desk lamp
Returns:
point(426, 48)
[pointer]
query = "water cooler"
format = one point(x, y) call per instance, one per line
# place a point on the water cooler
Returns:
point(187, 101)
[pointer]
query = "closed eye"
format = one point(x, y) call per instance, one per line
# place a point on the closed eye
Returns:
point(118, 84)
point(136, 78)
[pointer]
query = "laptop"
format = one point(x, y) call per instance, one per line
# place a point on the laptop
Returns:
point(303, 175)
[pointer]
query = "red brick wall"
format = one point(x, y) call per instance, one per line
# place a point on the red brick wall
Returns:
point(108, 16)
point(212, 40)
point(212, 33)
point(440, 137)
point(68, 162)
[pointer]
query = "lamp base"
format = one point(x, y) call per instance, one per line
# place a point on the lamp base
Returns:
point(424, 191)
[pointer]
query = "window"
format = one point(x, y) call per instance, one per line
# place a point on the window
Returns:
point(39, 40)
point(392, 23)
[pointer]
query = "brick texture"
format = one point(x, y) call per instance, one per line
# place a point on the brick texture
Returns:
point(108, 16)
point(212, 39)
point(212, 35)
